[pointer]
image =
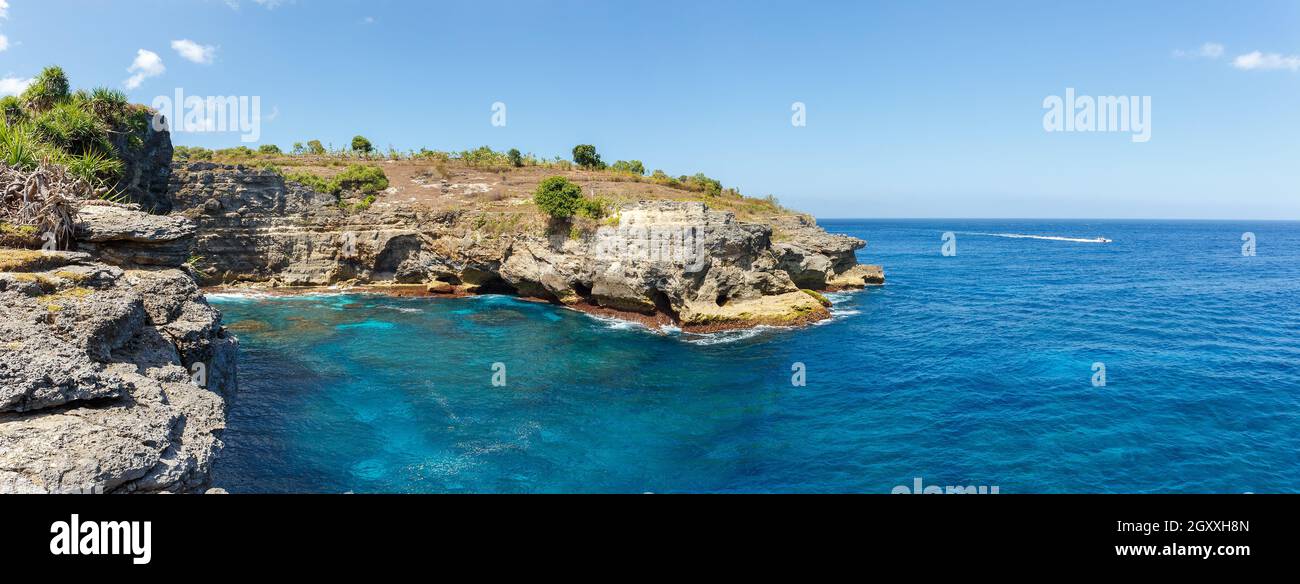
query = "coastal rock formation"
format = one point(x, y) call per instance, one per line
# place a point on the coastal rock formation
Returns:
point(146, 167)
point(124, 236)
point(113, 378)
point(700, 268)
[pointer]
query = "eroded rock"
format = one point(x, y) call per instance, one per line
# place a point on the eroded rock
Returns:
point(111, 380)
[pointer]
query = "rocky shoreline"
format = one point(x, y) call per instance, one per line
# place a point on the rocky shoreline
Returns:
point(114, 370)
point(657, 261)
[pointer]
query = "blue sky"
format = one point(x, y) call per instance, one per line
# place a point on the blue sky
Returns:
point(914, 109)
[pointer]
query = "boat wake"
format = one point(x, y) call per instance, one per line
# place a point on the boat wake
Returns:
point(1045, 237)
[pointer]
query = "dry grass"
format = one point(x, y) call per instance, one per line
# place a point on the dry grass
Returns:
point(450, 184)
point(26, 260)
point(45, 199)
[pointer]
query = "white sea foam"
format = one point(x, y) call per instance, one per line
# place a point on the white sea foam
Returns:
point(234, 296)
point(615, 323)
point(724, 337)
point(1044, 237)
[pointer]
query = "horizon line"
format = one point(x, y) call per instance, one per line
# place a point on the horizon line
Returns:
point(846, 218)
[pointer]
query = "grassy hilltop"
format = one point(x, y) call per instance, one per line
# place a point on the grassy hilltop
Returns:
point(502, 184)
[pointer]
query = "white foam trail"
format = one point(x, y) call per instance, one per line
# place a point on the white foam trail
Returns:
point(233, 296)
point(842, 296)
point(726, 336)
point(617, 324)
point(1045, 237)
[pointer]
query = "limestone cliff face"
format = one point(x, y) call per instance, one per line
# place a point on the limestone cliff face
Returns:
point(113, 368)
point(680, 260)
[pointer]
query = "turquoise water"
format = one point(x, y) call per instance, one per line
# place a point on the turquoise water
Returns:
point(967, 370)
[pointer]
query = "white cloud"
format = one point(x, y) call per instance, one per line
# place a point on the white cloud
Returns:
point(13, 85)
point(1206, 51)
point(192, 51)
point(1266, 62)
point(368, 20)
point(4, 14)
point(146, 64)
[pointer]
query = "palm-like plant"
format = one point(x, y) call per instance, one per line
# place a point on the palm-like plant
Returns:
point(72, 129)
point(49, 89)
point(95, 167)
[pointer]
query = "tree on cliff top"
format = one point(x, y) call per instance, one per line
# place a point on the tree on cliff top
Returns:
point(558, 197)
point(584, 155)
point(362, 145)
point(515, 157)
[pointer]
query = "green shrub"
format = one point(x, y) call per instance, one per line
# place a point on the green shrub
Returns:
point(11, 108)
point(96, 168)
point(585, 155)
point(315, 147)
point(629, 166)
point(484, 156)
point(699, 182)
point(362, 145)
point(363, 204)
point(516, 158)
point(107, 104)
point(361, 178)
point(72, 129)
point(49, 89)
point(191, 153)
point(21, 148)
point(662, 178)
point(558, 197)
point(271, 149)
point(238, 152)
point(367, 180)
point(593, 208)
point(311, 181)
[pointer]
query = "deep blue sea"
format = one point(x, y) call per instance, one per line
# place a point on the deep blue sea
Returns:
point(974, 369)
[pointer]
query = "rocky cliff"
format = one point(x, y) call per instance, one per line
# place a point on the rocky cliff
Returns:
point(113, 368)
point(146, 169)
point(674, 260)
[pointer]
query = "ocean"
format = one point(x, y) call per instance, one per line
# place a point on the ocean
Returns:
point(981, 368)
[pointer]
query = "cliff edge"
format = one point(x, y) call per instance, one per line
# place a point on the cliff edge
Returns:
point(654, 257)
point(113, 368)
